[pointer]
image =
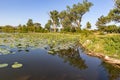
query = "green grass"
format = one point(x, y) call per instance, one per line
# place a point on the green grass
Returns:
point(108, 44)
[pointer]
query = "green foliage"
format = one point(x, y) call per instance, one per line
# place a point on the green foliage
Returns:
point(48, 25)
point(55, 20)
point(88, 25)
point(105, 44)
point(102, 21)
point(113, 16)
point(117, 3)
point(70, 19)
point(8, 29)
point(78, 10)
point(112, 45)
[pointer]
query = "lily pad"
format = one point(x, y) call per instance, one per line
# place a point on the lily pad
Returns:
point(3, 65)
point(17, 65)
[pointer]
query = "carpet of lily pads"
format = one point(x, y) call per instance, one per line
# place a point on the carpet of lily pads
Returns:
point(50, 41)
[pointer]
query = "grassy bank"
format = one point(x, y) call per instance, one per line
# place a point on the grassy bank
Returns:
point(108, 44)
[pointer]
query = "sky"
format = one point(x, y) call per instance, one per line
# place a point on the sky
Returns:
point(15, 12)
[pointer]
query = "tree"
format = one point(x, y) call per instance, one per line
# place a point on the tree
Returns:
point(117, 3)
point(102, 21)
point(24, 29)
point(66, 21)
point(78, 10)
point(19, 28)
point(88, 25)
point(114, 15)
point(54, 18)
point(38, 27)
point(30, 25)
point(48, 25)
point(62, 16)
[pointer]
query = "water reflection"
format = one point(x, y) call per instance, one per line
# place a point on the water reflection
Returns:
point(68, 64)
point(113, 72)
point(72, 56)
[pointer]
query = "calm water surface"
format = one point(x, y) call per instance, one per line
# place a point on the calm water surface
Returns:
point(63, 65)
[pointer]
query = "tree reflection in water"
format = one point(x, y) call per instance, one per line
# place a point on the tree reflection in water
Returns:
point(72, 56)
point(113, 72)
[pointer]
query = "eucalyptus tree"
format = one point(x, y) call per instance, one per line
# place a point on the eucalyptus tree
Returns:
point(78, 10)
point(66, 20)
point(54, 15)
point(62, 16)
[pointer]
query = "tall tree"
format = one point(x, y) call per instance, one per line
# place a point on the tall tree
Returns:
point(54, 18)
point(78, 10)
point(62, 16)
point(66, 20)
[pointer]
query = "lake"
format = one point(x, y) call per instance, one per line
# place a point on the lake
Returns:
point(69, 64)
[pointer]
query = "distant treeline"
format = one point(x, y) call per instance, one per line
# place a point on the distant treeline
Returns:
point(70, 21)
point(29, 27)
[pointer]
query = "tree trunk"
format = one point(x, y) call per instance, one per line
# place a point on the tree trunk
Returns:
point(78, 24)
point(54, 26)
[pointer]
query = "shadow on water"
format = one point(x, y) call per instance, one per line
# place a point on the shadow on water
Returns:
point(73, 57)
point(71, 64)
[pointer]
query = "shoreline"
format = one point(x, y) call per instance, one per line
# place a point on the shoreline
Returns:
point(103, 57)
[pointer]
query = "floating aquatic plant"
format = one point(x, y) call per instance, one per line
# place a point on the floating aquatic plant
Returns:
point(17, 65)
point(3, 65)
point(40, 40)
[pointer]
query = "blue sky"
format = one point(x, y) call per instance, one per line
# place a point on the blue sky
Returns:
point(14, 12)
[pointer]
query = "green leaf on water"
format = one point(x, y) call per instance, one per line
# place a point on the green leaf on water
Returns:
point(3, 65)
point(17, 65)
